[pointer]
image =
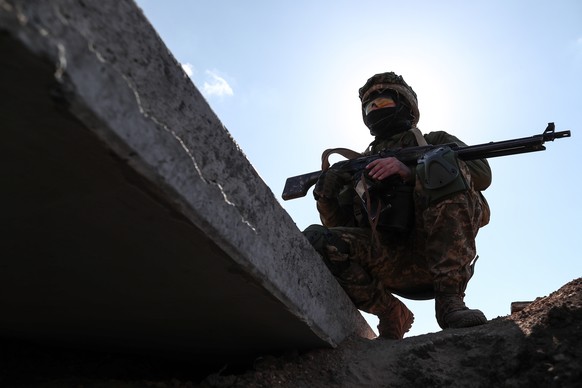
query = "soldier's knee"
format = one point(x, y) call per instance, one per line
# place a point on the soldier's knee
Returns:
point(315, 234)
point(329, 245)
point(319, 236)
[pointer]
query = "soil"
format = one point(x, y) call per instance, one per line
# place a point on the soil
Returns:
point(537, 346)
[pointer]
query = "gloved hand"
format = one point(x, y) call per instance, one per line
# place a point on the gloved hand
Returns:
point(330, 183)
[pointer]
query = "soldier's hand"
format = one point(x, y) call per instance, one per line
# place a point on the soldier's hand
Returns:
point(330, 183)
point(380, 169)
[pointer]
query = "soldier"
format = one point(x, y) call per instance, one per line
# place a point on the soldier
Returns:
point(401, 235)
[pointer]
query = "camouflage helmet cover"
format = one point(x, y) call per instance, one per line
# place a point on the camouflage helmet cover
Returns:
point(395, 82)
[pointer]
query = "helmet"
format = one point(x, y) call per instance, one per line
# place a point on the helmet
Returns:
point(395, 82)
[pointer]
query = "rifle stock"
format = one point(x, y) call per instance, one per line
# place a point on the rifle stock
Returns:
point(298, 186)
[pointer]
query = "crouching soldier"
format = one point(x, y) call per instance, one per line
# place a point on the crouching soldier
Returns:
point(419, 241)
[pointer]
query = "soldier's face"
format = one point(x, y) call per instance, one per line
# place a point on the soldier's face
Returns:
point(379, 103)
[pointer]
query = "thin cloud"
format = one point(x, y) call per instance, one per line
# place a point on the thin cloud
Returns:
point(188, 69)
point(216, 85)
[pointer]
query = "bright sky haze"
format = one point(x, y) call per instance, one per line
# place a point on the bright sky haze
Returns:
point(283, 77)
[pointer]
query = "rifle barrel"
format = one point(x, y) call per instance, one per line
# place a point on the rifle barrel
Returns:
point(298, 186)
point(511, 147)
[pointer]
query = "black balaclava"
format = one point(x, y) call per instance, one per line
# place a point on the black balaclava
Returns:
point(386, 122)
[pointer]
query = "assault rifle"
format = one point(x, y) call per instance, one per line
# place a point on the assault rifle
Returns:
point(297, 186)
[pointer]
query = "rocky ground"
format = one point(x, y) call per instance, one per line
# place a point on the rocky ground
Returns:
point(539, 346)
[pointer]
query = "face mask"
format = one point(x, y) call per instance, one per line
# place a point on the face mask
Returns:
point(384, 114)
point(386, 122)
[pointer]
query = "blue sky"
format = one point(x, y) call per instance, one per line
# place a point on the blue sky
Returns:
point(283, 78)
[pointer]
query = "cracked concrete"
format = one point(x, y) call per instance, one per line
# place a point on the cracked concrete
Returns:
point(134, 221)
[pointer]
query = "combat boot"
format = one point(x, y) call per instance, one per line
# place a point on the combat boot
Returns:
point(396, 321)
point(451, 312)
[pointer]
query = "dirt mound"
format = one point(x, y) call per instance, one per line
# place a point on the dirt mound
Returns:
point(538, 346)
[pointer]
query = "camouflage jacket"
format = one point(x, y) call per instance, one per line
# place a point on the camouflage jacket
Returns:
point(343, 211)
point(480, 170)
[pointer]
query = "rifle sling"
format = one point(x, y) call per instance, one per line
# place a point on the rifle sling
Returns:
point(350, 154)
point(345, 152)
point(418, 135)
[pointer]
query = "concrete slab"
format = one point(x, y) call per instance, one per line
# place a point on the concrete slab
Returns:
point(131, 220)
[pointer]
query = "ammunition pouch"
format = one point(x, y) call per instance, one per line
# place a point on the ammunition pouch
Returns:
point(439, 172)
point(389, 203)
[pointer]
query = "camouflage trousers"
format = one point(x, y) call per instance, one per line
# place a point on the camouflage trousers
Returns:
point(437, 256)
